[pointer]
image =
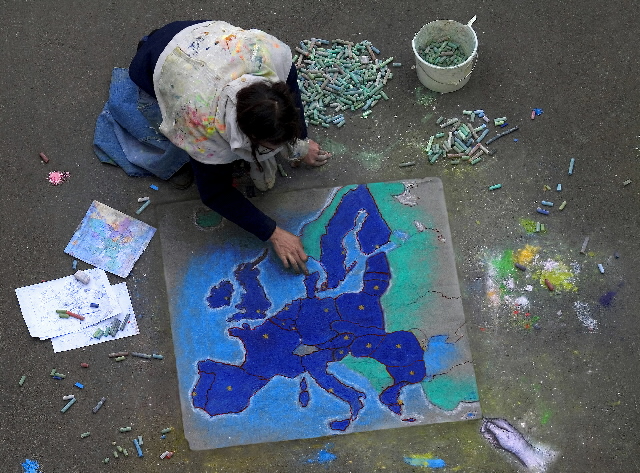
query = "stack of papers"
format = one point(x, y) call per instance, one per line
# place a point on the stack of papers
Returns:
point(39, 303)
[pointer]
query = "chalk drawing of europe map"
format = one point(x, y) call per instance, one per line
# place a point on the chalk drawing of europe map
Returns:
point(371, 342)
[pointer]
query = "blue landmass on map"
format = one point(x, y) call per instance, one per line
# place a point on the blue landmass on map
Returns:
point(254, 303)
point(220, 295)
point(311, 332)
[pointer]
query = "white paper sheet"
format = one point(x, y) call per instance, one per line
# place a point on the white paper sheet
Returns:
point(85, 338)
point(39, 303)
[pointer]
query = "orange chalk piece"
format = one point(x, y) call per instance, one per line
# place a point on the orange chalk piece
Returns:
point(44, 158)
point(76, 316)
point(550, 286)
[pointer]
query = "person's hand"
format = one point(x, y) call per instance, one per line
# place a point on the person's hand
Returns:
point(501, 434)
point(316, 155)
point(289, 249)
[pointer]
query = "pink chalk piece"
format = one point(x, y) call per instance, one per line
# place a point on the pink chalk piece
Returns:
point(533, 114)
point(58, 177)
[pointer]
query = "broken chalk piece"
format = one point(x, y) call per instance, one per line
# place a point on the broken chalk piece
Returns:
point(142, 207)
point(559, 187)
point(67, 397)
point(584, 245)
point(69, 404)
point(125, 429)
point(407, 164)
point(562, 205)
point(154, 187)
point(81, 276)
point(167, 430)
point(79, 386)
point(143, 199)
point(118, 354)
point(601, 268)
point(626, 183)
point(495, 186)
point(157, 356)
point(520, 267)
point(99, 405)
point(23, 378)
point(542, 211)
point(550, 286)
point(85, 435)
point(74, 315)
point(571, 164)
point(44, 158)
point(141, 355)
point(94, 305)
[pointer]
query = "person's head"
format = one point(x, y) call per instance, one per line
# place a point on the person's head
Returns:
point(267, 114)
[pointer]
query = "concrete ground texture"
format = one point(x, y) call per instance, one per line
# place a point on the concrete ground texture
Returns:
point(560, 366)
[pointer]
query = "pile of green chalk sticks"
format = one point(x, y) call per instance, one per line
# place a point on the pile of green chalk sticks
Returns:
point(443, 54)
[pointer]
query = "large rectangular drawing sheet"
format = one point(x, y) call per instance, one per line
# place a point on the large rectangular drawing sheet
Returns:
point(373, 338)
point(109, 239)
point(39, 303)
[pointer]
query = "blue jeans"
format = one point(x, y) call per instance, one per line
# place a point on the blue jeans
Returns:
point(127, 135)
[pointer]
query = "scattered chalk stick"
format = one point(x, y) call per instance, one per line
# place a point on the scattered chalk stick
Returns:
point(584, 245)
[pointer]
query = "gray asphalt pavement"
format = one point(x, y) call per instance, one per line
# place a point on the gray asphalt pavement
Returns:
point(561, 367)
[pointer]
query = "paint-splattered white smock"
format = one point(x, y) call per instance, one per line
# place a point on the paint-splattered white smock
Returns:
point(196, 80)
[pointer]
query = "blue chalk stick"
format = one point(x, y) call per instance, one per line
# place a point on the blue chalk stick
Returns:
point(542, 211)
point(154, 187)
point(571, 163)
point(135, 442)
point(78, 385)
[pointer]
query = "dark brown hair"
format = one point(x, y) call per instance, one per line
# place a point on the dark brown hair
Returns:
point(266, 112)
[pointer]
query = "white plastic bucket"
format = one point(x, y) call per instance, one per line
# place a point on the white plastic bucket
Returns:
point(446, 79)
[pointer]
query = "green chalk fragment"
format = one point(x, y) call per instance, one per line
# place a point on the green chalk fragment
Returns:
point(473, 162)
point(61, 311)
point(106, 460)
point(22, 380)
point(53, 372)
point(85, 435)
point(562, 205)
point(167, 430)
point(69, 404)
point(125, 429)
point(120, 358)
point(63, 316)
point(538, 227)
point(626, 183)
point(495, 186)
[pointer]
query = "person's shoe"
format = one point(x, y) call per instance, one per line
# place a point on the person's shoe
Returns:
point(183, 178)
